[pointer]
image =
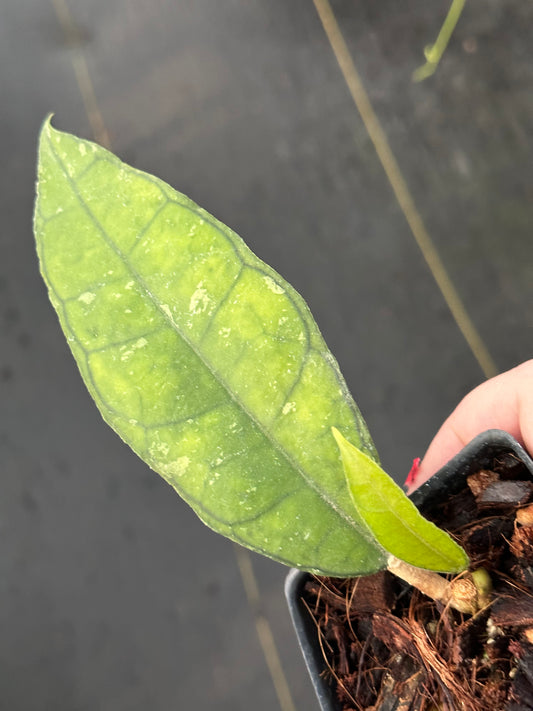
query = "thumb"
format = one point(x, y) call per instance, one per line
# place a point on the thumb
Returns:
point(504, 402)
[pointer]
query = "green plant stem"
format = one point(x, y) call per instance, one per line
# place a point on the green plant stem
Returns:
point(433, 53)
point(463, 593)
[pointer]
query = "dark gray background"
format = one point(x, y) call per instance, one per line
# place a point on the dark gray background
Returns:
point(112, 595)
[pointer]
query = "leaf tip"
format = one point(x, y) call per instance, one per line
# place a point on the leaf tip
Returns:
point(345, 446)
point(339, 438)
point(46, 126)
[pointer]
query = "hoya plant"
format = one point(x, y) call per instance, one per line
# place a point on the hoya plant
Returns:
point(209, 365)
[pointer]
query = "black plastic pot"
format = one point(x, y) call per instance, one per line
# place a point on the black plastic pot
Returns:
point(451, 479)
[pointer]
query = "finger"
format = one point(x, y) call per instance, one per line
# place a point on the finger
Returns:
point(504, 402)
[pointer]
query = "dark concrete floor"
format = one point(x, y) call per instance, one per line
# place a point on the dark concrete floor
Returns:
point(112, 595)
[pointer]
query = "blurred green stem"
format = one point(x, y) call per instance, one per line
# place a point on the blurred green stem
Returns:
point(433, 52)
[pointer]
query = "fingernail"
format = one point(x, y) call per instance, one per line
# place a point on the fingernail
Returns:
point(413, 472)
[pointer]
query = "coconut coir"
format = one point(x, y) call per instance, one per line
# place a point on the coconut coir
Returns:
point(389, 648)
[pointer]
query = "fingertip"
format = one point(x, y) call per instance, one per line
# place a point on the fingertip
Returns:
point(504, 402)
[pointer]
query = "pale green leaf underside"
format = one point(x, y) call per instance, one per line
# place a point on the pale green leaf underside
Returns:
point(393, 519)
point(202, 358)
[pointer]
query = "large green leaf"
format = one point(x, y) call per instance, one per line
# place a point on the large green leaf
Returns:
point(202, 358)
point(393, 519)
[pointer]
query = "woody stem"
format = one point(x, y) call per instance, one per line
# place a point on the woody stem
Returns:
point(460, 593)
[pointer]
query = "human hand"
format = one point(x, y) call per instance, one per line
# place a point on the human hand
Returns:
point(504, 402)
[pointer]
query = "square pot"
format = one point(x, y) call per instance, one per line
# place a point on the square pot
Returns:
point(451, 479)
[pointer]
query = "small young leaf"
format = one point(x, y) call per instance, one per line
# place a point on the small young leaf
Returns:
point(201, 357)
point(393, 519)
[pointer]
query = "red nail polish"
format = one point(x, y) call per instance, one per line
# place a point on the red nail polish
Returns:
point(413, 472)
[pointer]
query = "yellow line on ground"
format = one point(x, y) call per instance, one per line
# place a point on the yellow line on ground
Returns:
point(400, 189)
point(244, 561)
point(81, 71)
point(264, 631)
